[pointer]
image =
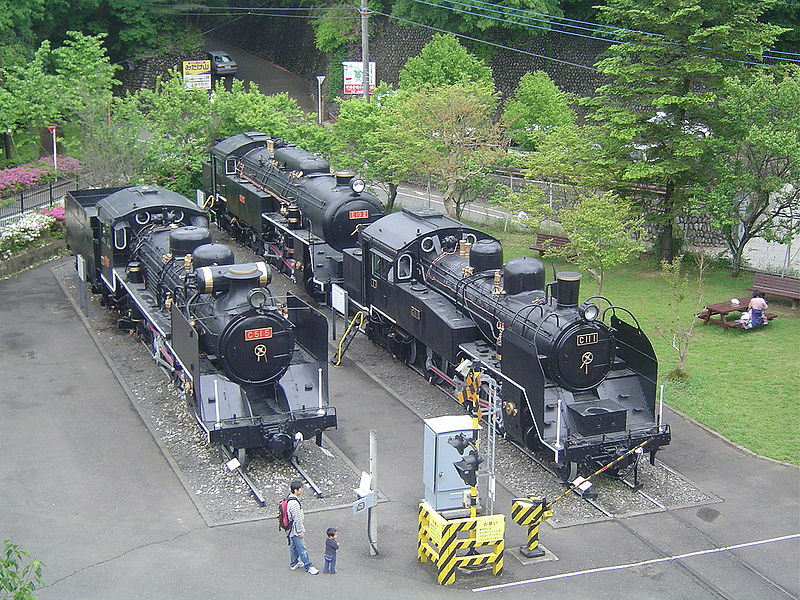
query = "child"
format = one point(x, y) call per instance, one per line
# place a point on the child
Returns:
point(331, 546)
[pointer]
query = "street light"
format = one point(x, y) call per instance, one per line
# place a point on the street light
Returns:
point(320, 79)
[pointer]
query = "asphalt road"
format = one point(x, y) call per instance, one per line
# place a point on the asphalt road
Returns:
point(270, 78)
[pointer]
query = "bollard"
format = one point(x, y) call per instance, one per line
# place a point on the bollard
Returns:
point(530, 512)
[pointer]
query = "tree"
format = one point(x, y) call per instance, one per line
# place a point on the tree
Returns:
point(366, 136)
point(665, 77)
point(442, 62)
point(20, 574)
point(450, 134)
point(680, 332)
point(535, 109)
point(604, 231)
point(755, 159)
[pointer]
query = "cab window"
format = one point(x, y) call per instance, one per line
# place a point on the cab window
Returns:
point(380, 265)
point(404, 267)
point(230, 166)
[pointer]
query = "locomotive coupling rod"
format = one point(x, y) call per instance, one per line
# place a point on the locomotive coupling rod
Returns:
point(600, 470)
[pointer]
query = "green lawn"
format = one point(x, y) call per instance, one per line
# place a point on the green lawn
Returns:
point(743, 384)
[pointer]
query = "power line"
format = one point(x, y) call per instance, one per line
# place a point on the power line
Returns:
point(554, 30)
point(466, 37)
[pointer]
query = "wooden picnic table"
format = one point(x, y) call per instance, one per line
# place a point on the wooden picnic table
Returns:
point(722, 309)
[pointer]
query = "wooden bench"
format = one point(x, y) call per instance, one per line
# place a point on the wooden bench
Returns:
point(775, 285)
point(545, 242)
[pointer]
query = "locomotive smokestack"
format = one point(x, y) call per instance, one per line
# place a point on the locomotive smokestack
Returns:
point(568, 285)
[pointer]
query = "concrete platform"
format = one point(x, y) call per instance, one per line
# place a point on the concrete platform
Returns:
point(84, 487)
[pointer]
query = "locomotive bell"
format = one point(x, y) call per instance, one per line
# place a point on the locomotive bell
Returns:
point(568, 285)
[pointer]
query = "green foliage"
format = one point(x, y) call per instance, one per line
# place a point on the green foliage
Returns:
point(57, 84)
point(20, 574)
point(468, 17)
point(535, 109)
point(754, 157)
point(442, 62)
point(529, 205)
point(19, 15)
point(336, 27)
point(604, 231)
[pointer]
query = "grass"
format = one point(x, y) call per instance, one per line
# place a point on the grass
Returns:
point(742, 384)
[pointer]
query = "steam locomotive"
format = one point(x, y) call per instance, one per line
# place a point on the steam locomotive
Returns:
point(286, 205)
point(576, 380)
point(254, 370)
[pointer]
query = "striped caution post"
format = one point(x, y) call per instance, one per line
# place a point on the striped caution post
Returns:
point(444, 542)
point(530, 512)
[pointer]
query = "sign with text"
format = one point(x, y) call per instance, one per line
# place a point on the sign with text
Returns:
point(197, 74)
point(354, 77)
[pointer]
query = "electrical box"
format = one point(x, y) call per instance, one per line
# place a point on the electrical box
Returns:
point(443, 486)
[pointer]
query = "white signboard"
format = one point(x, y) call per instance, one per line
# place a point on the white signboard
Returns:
point(339, 299)
point(354, 78)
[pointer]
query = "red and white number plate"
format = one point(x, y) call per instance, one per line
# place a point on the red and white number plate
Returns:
point(257, 334)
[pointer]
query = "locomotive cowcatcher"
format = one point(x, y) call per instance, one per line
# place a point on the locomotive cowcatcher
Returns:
point(254, 370)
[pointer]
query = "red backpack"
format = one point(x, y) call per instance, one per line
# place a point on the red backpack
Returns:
point(284, 522)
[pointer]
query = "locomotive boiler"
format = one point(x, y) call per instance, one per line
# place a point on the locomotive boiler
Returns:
point(286, 204)
point(575, 379)
point(253, 369)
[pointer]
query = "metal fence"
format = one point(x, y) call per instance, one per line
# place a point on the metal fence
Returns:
point(14, 206)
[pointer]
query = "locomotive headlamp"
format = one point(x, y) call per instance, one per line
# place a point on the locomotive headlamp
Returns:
point(588, 311)
point(257, 298)
point(358, 185)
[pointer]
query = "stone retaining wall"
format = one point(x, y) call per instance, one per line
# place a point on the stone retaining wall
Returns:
point(32, 256)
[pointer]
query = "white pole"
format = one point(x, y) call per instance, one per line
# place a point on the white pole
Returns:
point(55, 154)
point(320, 79)
point(558, 428)
point(319, 386)
point(365, 80)
point(373, 471)
point(216, 402)
point(661, 407)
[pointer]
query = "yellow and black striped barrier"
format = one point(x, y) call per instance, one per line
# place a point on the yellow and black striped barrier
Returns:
point(454, 543)
point(530, 512)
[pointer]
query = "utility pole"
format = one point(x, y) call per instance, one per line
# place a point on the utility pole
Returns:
point(365, 49)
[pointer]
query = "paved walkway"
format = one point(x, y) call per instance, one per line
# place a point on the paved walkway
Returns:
point(87, 490)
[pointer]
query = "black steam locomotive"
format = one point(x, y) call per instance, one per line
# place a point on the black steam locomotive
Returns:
point(253, 370)
point(286, 205)
point(575, 379)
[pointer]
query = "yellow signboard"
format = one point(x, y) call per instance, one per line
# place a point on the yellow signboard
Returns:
point(490, 528)
point(196, 67)
point(197, 74)
point(435, 527)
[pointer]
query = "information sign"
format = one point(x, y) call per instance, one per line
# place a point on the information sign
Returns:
point(354, 77)
point(489, 528)
point(197, 74)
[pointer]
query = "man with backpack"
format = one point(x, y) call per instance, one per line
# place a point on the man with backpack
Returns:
point(293, 513)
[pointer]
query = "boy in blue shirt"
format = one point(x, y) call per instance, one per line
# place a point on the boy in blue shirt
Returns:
point(331, 546)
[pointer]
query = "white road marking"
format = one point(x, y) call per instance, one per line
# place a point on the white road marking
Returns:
point(636, 564)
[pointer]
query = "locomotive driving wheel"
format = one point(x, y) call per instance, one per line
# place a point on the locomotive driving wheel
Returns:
point(566, 471)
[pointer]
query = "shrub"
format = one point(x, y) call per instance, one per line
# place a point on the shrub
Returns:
point(14, 238)
point(35, 173)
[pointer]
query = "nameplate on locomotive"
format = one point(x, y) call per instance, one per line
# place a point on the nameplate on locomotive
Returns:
point(359, 214)
point(257, 334)
point(584, 339)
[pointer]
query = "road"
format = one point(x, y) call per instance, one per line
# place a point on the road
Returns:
point(270, 78)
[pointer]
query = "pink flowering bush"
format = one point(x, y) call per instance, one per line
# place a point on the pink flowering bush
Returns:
point(35, 173)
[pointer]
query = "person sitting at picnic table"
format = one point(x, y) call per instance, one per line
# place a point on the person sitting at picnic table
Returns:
point(756, 314)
